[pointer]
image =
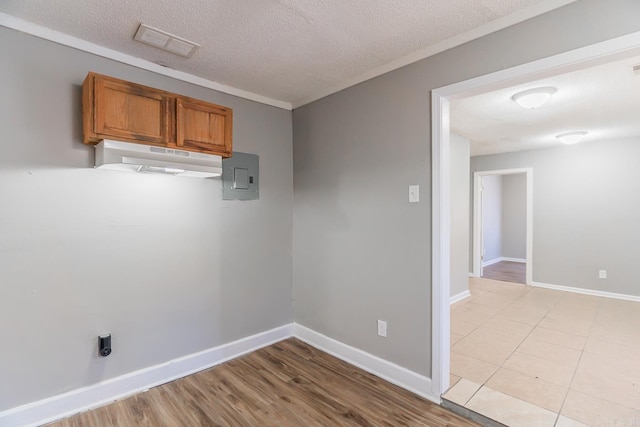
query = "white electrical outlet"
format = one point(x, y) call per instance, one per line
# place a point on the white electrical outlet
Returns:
point(602, 274)
point(382, 328)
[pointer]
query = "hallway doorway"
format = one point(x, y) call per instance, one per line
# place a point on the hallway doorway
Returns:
point(502, 225)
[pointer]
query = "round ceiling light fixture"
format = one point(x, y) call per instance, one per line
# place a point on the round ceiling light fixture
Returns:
point(571, 137)
point(534, 98)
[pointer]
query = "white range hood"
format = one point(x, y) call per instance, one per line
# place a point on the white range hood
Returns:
point(129, 157)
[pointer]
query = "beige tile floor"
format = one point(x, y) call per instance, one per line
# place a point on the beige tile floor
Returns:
point(527, 356)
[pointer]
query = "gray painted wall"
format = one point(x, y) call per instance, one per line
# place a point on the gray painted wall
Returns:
point(585, 212)
point(460, 170)
point(514, 216)
point(491, 217)
point(151, 259)
point(362, 252)
point(171, 262)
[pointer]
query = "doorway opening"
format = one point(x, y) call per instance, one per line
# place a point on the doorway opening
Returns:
point(600, 53)
point(503, 225)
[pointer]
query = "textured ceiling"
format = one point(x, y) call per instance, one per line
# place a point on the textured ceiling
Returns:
point(603, 100)
point(290, 50)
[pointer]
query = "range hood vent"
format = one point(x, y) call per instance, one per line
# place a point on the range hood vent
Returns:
point(129, 157)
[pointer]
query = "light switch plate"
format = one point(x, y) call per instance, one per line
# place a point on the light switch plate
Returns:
point(414, 193)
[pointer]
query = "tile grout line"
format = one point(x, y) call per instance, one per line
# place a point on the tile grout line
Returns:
point(564, 296)
point(579, 360)
point(526, 336)
point(518, 346)
point(491, 317)
point(572, 377)
point(501, 366)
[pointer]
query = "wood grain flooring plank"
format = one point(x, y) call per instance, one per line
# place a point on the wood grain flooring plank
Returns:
point(506, 271)
point(283, 399)
point(286, 384)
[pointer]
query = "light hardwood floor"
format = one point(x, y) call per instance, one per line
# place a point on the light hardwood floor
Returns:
point(530, 356)
point(506, 271)
point(287, 384)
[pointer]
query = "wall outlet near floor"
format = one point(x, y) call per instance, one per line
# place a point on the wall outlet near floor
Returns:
point(382, 328)
point(602, 274)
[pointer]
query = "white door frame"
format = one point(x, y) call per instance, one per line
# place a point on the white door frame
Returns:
point(477, 218)
point(598, 53)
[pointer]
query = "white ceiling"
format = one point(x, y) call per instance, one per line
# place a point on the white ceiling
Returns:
point(603, 100)
point(290, 50)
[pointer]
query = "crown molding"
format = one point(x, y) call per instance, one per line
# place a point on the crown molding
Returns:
point(480, 31)
point(45, 33)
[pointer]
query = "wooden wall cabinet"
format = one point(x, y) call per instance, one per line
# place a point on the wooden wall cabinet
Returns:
point(202, 126)
point(125, 111)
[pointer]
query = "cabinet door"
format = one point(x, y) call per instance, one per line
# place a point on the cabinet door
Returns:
point(204, 127)
point(131, 112)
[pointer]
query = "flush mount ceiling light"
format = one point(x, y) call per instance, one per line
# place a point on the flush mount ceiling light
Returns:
point(165, 41)
point(571, 137)
point(534, 98)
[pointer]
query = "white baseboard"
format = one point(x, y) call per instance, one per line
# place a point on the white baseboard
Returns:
point(521, 260)
point(491, 262)
point(402, 377)
point(104, 392)
point(587, 291)
point(503, 258)
point(459, 297)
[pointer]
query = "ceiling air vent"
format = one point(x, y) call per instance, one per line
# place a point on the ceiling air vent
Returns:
point(165, 41)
